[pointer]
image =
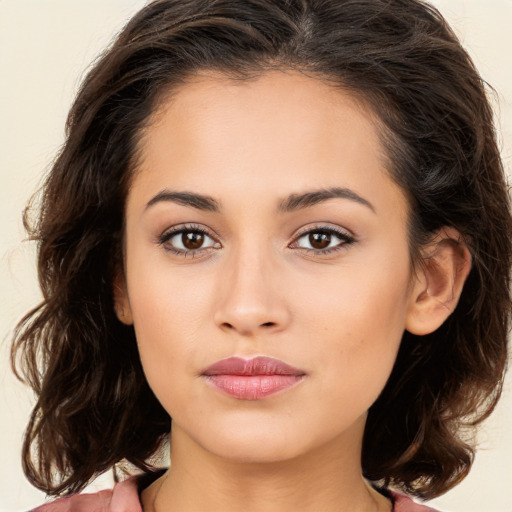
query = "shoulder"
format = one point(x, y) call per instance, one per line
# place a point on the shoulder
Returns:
point(403, 503)
point(123, 498)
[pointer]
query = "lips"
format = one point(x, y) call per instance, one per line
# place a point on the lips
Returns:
point(252, 379)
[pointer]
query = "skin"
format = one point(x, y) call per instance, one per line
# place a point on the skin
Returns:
point(256, 286)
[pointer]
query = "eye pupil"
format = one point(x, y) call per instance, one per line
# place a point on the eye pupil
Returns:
point(192, 240)
point(319, 240)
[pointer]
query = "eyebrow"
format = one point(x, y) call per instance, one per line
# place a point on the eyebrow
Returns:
point(198, 201)
point(292, 203)
point(307, 199)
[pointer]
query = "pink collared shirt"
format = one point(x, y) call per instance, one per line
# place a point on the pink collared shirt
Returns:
point(125, 498)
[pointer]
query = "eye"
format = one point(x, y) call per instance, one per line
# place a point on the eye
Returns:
point(187, 240)
point(323, 240)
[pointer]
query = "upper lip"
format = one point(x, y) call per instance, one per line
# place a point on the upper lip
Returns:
point(260, 365)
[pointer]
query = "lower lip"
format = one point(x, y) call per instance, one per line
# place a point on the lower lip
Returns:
point(253, 387)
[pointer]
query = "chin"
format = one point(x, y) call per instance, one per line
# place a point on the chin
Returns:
point(254, 444)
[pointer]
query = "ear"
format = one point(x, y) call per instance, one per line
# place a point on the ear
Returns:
point(121, 301)
point(438, 282)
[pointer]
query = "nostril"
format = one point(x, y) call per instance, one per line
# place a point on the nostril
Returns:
point(246, 327)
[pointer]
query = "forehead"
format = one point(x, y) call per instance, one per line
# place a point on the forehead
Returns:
point(287, 95)
point(288, 100)
point(312, 89)
point(280, 133)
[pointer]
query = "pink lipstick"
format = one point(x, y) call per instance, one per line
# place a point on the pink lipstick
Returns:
point(252, 379)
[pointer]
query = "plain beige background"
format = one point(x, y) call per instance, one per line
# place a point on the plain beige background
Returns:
point(45, 46)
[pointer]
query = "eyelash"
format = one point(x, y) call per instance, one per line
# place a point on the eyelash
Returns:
point(344, 236)
point(190, 228)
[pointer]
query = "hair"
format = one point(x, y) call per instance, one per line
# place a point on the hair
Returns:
point(94, 407)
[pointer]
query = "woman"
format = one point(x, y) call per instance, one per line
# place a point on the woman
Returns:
point(285, 226)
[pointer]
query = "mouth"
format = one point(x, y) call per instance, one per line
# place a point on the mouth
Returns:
point(252, 379)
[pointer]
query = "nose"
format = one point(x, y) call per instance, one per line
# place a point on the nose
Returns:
point(251, 297)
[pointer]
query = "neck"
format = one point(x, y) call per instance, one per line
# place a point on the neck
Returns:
point(328, 478)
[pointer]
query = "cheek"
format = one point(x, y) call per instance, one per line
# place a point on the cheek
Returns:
point(363, 304)
point(165, 298)
point(355, 320)
point(169, 317)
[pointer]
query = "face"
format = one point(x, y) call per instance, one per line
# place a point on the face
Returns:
point(261, 222)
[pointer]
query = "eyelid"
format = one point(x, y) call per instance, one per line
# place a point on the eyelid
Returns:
point(169, 233)
point(180, 228)
point(325, 227)
point(347, 238)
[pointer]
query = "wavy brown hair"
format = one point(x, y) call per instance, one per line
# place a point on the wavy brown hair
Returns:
point(94, 407)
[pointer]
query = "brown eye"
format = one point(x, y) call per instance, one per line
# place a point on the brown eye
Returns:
point(323, 240)
point(192, 240)
point(319, 240)
point(184, 241)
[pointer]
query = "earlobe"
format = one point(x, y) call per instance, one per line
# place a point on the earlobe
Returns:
point(121, 301)
point(438, 282)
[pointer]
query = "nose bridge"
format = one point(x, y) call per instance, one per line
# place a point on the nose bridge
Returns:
point(249, 297)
